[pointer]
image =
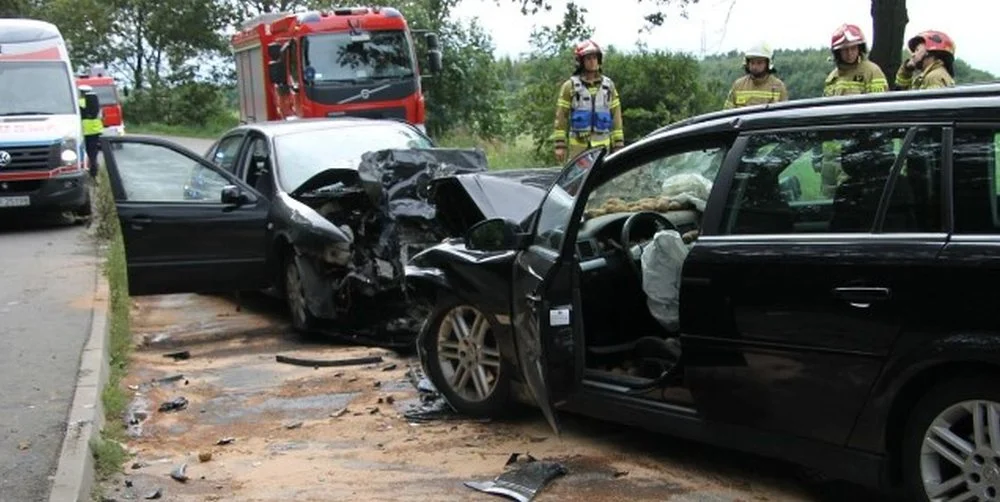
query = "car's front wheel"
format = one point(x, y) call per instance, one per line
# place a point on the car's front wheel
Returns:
point(295, 296)
point(463, 360)
point(951, 446)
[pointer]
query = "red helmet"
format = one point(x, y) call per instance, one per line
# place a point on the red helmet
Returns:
point(934, 41)
point(847, 35)
point(587, 47)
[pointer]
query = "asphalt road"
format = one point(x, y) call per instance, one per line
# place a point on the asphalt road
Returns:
point(47, 280)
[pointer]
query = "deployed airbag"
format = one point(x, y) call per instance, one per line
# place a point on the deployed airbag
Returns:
point(662, 261)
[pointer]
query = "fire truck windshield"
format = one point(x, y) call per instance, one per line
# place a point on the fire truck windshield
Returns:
point(342, 57)
point(106, 94)
point(35, 88)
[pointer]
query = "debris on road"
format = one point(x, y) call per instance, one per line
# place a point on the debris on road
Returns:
point(328, 363)
point(339, 413)
point(205, 456)
point(174, 405)
point(24, 445)
point(521, 483)
point(293, 425)
point(389, 367)
point(179, 356)
point(225, 441)
point(180, 473)
point(154, 494)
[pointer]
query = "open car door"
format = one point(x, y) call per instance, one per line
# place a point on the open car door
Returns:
point(187, 225)
point(548, 324)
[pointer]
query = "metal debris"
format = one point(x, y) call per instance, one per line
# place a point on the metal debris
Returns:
point(174, 405)
point(180, 473)
point(389, 367)
point(293, 425)
point(521, 483)
point(327, 363)
point(179, 356)
point(154, 494)
point(339, 413)
point(225, 441)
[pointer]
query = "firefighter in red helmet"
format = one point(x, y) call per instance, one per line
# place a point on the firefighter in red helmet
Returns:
point(933, 53)
point(588, 111)
point(854, 73)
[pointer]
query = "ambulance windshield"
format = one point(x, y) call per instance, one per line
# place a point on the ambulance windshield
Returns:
point(361, 57)
point(35, 88)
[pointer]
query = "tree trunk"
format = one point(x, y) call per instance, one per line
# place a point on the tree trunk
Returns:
point(889, 20)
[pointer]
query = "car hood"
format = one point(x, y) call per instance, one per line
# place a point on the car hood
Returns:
point(466, 199)
point(328, 178)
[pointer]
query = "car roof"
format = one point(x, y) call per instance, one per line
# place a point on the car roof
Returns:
point(979, 101)
point(276, 128)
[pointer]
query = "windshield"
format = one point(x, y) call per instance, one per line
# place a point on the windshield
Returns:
point(302, 155)
point(342, 57)
point(35, 88)
point(106, 94)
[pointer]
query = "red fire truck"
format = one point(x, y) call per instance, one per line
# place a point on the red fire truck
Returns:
point(107, 95)
point(358, 61)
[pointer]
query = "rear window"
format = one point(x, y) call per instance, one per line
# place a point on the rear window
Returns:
point(106, 94)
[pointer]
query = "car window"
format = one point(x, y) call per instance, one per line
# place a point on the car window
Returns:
point(811, 181)
point(679, 179)
point(156, 173)
point(557, 208)
point(976, 171)
point(225, 153)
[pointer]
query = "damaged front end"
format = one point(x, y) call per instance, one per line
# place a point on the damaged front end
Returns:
point(371, 220)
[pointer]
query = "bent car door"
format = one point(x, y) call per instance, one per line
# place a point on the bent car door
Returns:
point(187, 225)
point(548, 325)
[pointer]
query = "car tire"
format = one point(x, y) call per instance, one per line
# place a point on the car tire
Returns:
point(944, 420)
point(303, 320)
point(486, 391)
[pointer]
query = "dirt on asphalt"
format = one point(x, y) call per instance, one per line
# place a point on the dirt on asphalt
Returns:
point(339, 433)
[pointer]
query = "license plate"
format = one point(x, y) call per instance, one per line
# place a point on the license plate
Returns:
point(15, 201)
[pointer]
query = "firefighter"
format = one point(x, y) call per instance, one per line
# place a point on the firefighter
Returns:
point(854, 73)
point(92, 124)
point(933, 53)
point(759, 85)
point(588, 111)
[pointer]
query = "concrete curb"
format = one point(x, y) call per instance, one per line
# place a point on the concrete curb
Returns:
point(74, 478)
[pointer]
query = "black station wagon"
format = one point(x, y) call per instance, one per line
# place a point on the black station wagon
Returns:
point(812, 280)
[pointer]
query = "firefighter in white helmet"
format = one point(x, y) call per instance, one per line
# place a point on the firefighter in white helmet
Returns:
point(759, 86)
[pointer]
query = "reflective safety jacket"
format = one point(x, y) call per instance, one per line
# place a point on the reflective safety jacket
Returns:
point(934, 76)
point(588, 114)
point(91, 120)
point(748, 91)
point(863, 77)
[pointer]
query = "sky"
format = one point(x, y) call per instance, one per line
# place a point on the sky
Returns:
point(790, 24)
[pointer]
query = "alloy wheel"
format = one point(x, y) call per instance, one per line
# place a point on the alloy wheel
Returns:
point(960, 454)
point(468, 353)
point(293, 291)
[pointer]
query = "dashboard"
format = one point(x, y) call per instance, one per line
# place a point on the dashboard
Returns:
point(598, 235)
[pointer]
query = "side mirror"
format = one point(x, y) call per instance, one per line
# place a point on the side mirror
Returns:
point(432, 41)
point(276, 71)
point(274, 51)
point(233, 196)
point(495, 234)
point(125, 91)
point(434, 63)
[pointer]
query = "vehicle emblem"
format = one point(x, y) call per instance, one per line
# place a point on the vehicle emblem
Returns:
point(4, 158)
point(365, 93)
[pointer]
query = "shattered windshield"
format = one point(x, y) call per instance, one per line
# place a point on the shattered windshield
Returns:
point(302, 155)
point(35, 88)
point(343, 57)
point(659, 185)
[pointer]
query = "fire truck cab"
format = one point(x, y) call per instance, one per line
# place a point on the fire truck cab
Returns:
point(358, 61)
point(107, 95)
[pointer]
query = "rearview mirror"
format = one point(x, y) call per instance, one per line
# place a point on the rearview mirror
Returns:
point(233, 196)
point(434, 63)
point(432, 41)
point(495, 234)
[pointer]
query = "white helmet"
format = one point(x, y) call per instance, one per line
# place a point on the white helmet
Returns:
point(84, 89)
point(760, 50)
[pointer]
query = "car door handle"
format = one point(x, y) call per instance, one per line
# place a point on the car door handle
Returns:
point(862, 296)
point(138, 222)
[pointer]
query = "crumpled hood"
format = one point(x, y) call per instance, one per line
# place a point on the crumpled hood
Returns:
point(467, 199)
point(349, 178)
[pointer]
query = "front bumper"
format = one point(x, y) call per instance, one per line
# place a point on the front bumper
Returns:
point(53, 194)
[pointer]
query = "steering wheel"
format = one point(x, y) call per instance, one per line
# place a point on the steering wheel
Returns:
point(661, 222)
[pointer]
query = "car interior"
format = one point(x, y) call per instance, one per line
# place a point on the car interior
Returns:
point(257, 168)
point(633, 347)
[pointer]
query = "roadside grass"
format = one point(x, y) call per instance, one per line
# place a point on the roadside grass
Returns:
point(211, 130)
point(109, 454)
